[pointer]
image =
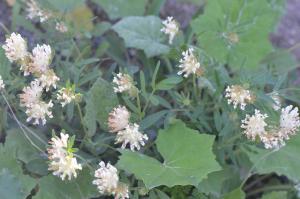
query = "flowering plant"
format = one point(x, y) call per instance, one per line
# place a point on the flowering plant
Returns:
point(123, 103)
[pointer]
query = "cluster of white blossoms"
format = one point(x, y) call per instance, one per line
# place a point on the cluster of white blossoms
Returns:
point(189, 64)
point(61, 157)
point(107, 181)
point(35, 11)
point(274, 137)
point(171, 28)
point(67, 95)
point(61, 27)
point(37, 64)
point(238, 95)
point(124, 83)
point(118, 121)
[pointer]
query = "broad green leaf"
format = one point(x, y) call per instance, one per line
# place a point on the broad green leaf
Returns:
point(235, 194)
point(219, 182)
point(275, 195)
point(168, 83)
point(284, 161)
point(52, 187)
point(122, 8)
point(188, 158)
point(14, 150)
point(100, 101)
point(10, 186)
point(5, 66)
point(236, 31)
point(142, 33)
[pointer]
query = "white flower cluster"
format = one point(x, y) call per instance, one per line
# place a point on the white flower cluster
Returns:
point(189, 63)
point(124, 83)
point(127, 133)
point(255, 126)
point(107, 181)
point(62, 163)
point(35, 11)
point(237, 95)
point(61, 27)
point(67, 95)
point(36, 63)
point(170, 28)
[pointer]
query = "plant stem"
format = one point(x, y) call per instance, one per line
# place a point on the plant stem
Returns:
point(138, 101)
point(85, 134)
point(148, 101)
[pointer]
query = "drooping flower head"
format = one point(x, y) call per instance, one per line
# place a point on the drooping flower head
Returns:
point(189, 63)
point(123, 83)
point(132, 137)
point(238, 95)
point(60, 154)
point(254, 126)
point(170, 28)
point(31, 94)
point(289, 121)
point(107, 178)
point(15, 48)
point(48, 79)
point(39, 111)
point(118, 119)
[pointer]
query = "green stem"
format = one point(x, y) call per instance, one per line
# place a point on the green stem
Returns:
point(138, 101)
point(85, 134)
point(195, 86)
point(148, 101)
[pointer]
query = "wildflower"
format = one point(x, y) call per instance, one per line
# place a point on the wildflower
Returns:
point(276, 101)
point(189, 63)
point(60, 154)
point(237, 95)
point(272, 140)
point(118, 119)
point(2, 85)
point(34, 11)
point(48, 79)
point(121, 192)
point(107, 178)
point(15, 48)
point(289, 121)
point(123, 83)
point(38, 112)
point(254, 125)
point(41, 58)
point(61, 27)
point(170, 28)
point(31, 94)
point(67, 95)
point(131, 135)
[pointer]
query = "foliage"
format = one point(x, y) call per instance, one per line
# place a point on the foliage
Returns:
point(121, 76)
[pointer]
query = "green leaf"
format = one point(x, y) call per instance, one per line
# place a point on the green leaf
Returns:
point(122, 8)
point(10, 186)
point(275, 195)
point(152, 119)
point(100, 101)
point(5, 66)
point(168, 83)
point(283, 161)
point(236, 31)
point(52, 187)
point(235, 194)
point(188, 158)
point(142, 33)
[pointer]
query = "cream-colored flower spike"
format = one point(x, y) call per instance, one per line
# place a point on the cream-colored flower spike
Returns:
point(289, 121)
point(237, 95)
point(189, 63)
point(62, 163)
point(61, 27)
point(31, 94)
point(41, 59)
point(132, 137)
point(170, 28)
point(118, 119)
point(39, 111)
point(15, 48)
point(254, 126)
point(123, 82)
point(66, 96)
point(107, 178)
